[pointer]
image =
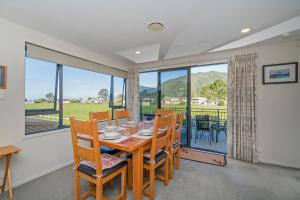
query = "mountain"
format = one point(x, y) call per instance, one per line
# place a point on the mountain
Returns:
point(177, 86)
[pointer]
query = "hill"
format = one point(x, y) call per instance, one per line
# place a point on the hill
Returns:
point(177, 86)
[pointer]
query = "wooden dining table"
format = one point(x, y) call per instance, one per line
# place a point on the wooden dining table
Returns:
point(136, 146)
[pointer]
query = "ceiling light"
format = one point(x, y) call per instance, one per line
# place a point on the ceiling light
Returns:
point(137, 52)
point(245, 30)
point(156, 26)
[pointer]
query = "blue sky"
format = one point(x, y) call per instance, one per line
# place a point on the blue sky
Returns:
point(149, 79)
point(40, 80)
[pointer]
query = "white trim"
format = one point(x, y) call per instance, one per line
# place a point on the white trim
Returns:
point(40, 174)
point(42, 134)
point(284, 164)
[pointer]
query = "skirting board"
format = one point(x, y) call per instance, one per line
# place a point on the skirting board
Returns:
point(283, 164)
point(38, 175)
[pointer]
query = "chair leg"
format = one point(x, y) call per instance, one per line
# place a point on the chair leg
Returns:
point(152, 182)
point(129, 174)
point(123, 184)
point(76, 186)
point(177, 158)
point(166, 179)
point(171, 161)
point(99, 189)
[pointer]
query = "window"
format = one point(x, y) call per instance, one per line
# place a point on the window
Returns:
point(41, 95)
point(148, 93)
point(54, 92)
point(84, 92)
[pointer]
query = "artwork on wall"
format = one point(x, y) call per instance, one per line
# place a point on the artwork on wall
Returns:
point(3, 77)
point(280, 73)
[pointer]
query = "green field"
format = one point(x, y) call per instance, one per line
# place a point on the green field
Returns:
point(81, 111)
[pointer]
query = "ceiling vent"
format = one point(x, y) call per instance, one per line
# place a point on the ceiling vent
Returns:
point(156, 26)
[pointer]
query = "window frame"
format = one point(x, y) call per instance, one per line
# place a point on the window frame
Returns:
point(58, 98)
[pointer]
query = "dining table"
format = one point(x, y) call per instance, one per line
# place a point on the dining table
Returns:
point(132, 143)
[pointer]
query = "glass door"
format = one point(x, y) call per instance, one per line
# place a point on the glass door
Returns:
point(173, 91)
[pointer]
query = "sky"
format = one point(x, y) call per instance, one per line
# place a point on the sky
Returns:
point(40, 80)
point(150, 79)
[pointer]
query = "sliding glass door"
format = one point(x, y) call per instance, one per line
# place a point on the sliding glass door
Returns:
point(200, 92)
point(173, 94)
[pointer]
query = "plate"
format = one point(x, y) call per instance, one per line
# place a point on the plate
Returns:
point(145, 132)
point(111, 136)
point(111, 128)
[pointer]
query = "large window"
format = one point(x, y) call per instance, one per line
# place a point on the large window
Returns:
point(54, 92)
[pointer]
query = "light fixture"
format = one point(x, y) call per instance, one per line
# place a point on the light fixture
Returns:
point(137, 52)
point(156, 26)
point(245, 30)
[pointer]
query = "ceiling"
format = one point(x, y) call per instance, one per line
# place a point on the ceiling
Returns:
point(118, 28)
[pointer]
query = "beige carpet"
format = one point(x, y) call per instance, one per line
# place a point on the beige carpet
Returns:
point(204, 157)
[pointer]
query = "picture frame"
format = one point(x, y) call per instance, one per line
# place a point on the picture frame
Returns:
point(3, 77)
point(280, 73)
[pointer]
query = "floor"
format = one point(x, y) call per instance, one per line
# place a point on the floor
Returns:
point(236, 181)
point(203, 142)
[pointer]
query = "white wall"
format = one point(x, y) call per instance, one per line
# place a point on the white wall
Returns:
point(278, 106)
point(40, 154)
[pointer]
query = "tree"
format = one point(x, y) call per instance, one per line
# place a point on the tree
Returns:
point(50, 97)
point(215, 91)
point(103, 93)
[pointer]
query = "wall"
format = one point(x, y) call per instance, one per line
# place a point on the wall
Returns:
point(44, 154)
point(278, 106)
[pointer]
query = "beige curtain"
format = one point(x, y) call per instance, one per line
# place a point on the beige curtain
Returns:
point(133, 103)
point(241, 131)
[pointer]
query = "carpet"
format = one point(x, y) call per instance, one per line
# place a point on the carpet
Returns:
point(202, 156)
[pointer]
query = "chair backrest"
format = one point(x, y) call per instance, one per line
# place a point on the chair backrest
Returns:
point(161, 140)
point(202, 122)
point(121, 114)
point(163, 111)
point(81, 129)
point(177, 129)
point(101, 117)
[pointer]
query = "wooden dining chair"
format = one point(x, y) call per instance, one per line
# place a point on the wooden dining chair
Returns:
point(103, 118)
point(158, 154)
point(163, 111)
point(91, 165)
point(120, 115)
point(175, 142)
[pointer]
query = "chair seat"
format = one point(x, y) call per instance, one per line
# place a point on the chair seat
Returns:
point(110, 164)
point(158, 157)
point(105, 149)
point(175, 145)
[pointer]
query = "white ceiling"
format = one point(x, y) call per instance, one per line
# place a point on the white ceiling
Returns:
point(119, 27)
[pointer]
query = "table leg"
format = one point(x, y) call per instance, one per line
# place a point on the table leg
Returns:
point(7, 176)
point(137, 161)
point(9, 183)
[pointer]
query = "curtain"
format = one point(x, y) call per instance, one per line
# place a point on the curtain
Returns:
point(241, 131)
point(133, 103)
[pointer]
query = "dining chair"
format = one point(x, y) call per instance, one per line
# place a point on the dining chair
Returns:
point(175, 142)
point(91, 165)
point(163, 111)
point(158, 154)
point(103, 119)
point(121, 115)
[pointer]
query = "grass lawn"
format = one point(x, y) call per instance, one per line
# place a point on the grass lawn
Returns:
point(79, 110)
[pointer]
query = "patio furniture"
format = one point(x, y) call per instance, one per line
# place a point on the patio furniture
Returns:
point(202, 125)
point(221, 127)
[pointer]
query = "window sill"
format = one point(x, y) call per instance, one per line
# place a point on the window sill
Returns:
point(47, 133)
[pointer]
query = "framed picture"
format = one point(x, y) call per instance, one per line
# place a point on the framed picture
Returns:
point(280, 73)
point(3, 77)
